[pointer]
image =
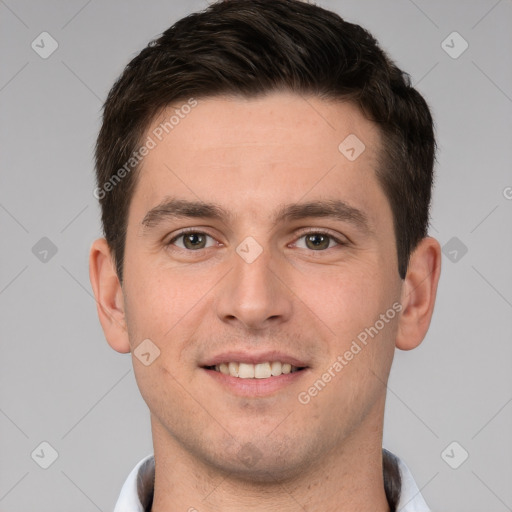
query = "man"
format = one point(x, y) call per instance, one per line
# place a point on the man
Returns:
point(264, 173)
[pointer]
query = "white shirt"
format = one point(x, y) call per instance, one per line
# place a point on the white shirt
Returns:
point(137, 492)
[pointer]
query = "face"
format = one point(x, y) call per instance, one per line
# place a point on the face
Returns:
point(255, 246)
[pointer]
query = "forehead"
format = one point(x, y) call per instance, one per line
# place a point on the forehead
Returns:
point(234, 122)
point(251, 154)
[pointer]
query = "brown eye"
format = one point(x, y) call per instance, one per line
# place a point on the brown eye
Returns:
point(192, 240)
point(317, 241)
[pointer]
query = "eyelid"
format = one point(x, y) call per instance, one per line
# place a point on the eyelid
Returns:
point(184, 231)
point(340, 240)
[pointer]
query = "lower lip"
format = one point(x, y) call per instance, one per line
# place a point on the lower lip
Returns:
point(256, 387)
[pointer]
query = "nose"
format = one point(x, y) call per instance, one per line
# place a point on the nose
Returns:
point(254, 294)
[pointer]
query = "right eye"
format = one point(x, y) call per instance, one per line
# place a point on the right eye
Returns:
point(191, 240)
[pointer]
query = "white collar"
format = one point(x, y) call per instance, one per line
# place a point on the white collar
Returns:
point(137, 492)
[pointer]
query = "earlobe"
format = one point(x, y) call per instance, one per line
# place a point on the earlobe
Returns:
point(109, 296)
point(419, 293)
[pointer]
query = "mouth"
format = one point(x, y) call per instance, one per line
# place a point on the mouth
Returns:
point(264, 370)
point(256, 374)
point(252, 375)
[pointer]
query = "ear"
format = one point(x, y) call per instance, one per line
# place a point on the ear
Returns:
point(419, 293)
point(109, 296)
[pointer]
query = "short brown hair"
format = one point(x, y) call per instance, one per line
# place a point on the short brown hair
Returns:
point(252, 47)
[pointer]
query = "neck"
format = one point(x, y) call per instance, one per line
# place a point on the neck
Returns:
point(346, 478)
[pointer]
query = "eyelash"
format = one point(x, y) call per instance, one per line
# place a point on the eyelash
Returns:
point(339, 242)
point(301, 235)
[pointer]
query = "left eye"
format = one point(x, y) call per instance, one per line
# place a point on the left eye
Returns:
point(192, 240)
point(317, 241)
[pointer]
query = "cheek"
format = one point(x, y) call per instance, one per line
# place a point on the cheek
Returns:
point(345, 299)
point(349, 303)
point(163, 307)
point(156, 302)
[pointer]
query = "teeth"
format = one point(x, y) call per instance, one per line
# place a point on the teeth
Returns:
point(246, 371)
point(256, 371)
point(276, 368)
point(233, 369)
point(262, 371)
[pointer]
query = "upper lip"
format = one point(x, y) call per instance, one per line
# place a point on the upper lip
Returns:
point(253, 358)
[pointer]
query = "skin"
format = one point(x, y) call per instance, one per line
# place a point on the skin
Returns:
point(251, 156)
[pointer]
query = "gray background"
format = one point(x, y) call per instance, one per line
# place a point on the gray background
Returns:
point(61, 383)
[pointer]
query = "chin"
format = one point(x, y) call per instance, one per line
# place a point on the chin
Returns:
point(261, 461)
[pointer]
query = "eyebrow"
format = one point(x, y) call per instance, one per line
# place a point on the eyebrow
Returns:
point(172, 208)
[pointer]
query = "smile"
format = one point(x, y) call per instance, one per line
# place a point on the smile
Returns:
point(255, 371)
